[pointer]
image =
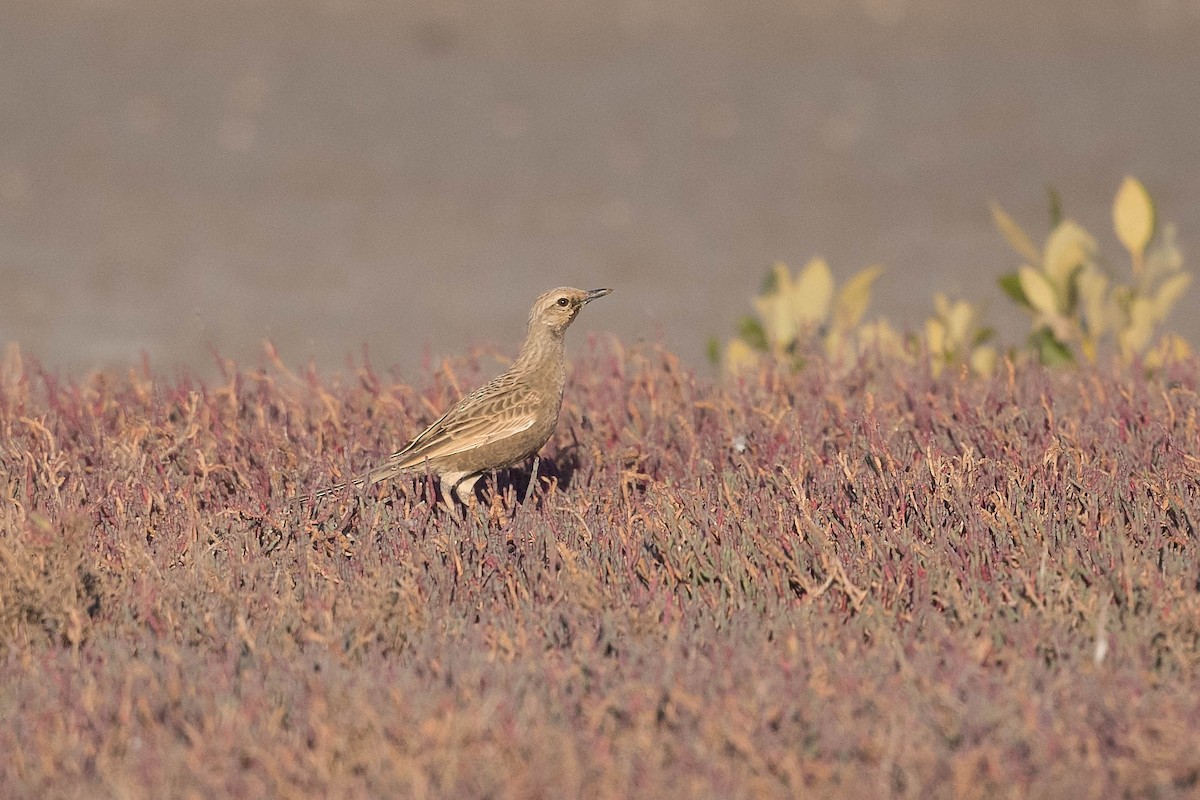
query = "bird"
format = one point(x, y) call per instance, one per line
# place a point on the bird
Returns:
point(501, 423)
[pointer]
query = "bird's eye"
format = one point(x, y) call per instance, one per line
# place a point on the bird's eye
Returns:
point(564, 302)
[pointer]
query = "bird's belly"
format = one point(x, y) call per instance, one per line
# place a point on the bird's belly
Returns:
point(503, 452)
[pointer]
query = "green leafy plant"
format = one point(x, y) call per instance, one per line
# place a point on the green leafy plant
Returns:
point(1076, 305)
point(793, 310)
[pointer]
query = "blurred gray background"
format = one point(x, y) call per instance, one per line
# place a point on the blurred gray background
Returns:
point(180, 175)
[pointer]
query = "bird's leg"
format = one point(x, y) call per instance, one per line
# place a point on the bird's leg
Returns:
point(532, 479)
point(471, 505)
point(465, 490)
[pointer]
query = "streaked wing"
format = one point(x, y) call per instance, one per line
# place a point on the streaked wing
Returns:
point(484, 416)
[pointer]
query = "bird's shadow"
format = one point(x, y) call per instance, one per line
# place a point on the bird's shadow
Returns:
point(558, 469)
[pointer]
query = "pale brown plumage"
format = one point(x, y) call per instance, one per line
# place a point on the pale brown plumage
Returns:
point(503, 422)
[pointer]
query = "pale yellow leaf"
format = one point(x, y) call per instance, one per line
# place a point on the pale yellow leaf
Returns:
point(1168, 293)
point(782, 278)
point(883, 338)
point(739, 357)
point(854, 297)
point(838, 348)
point(1137, 334)
point(959, 323)
point(812, 294)
point(1068, 248)
point(941, 305)
point(983, 361)
point(1065, 328)
point(1017, 238)
point(1037, 289)
point(1164, 256)
point(1093, 295)
point(935, 336)
point(1169, 349)
point(1133, 216)
point(777, 320)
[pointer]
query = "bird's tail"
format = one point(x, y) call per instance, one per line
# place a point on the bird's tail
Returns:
point(357, 483)
point(368, 478)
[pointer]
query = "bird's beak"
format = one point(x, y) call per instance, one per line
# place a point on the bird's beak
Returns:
point(594, 293)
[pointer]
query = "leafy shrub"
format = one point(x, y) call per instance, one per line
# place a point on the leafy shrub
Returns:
point(1075, 305)
point(791, 311)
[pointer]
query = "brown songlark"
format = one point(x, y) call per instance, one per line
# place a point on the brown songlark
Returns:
point(504, 421)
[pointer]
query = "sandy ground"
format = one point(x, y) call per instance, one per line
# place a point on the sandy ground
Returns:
point(177, 176)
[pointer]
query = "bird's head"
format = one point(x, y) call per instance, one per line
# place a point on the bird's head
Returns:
point(557, 308)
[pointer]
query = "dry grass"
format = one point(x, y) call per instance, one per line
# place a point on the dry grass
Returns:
point(878, 584)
